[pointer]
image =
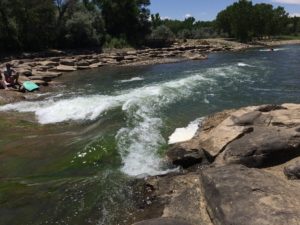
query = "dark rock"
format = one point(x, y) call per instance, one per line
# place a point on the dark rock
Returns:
point(246, 119)
point(186, 158)
point(269, 108)
point(237, 195)
point(176, 195)
point(292, 171)
point(263, 147)
point(163, 221)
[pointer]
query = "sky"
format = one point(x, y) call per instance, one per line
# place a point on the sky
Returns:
point(208, 9)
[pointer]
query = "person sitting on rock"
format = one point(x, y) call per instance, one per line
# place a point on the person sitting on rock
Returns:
point(11, 77)
point(3, 83)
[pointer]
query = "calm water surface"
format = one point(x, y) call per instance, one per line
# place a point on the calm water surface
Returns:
point(70, 158)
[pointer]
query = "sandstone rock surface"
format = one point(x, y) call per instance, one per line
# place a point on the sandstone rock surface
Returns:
point(237, 195)
point(242, 167)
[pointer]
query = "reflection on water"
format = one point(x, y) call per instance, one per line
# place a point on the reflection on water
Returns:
point(69, 158)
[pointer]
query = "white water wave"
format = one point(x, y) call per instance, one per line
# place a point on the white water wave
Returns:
point(140, 140)
point(131, 80)
point(185, 133)
point(241, 64)
point(272, 50)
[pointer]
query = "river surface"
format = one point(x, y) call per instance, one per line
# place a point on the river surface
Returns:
point(70, 157)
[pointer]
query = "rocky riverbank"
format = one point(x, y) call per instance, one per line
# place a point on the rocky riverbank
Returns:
point(242, 167)
point(278, 42)
point(43, 70)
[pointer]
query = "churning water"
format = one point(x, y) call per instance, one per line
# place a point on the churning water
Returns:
point(129, 114)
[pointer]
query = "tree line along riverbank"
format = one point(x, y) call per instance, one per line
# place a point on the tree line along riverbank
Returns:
point(38, 25)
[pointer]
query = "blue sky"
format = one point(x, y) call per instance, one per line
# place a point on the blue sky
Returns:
point(208, 9)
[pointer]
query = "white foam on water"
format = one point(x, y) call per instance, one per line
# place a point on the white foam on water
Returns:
point(131, 80)
point(241, 64)
point(274, 50)
point(185, 133)
point(139, 141)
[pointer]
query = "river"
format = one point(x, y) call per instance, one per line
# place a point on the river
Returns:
point(71, 156)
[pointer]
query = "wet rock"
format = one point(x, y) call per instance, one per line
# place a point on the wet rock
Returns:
point(10, 96)
point(292, 170)
point(163, 221)
point(47, 76)
point(186, 158)
point(241, 196)
point(176, 196)
point(194, 56)
point(83, 67)
point(96, 65)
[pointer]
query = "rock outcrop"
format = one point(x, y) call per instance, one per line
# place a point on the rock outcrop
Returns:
point(236, 194)
point(242, 167)
point(292, 170)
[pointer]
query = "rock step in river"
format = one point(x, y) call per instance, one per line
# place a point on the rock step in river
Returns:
point(242, 168)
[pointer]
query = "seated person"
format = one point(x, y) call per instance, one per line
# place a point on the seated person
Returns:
point(10, 77)
point(3, 83)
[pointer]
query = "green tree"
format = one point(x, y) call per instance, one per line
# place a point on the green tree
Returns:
point(156, 20)
point(262, 19)
point(129, 18)
point(243, 21)
point(26, 24)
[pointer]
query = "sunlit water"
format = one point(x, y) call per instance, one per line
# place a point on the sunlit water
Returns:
point(70, 157)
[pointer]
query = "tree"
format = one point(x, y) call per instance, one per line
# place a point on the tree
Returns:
point(156, 20)
point(160, 37)
point(26, 24)
point(262, 19)
point(129, 18)
point(244, 21)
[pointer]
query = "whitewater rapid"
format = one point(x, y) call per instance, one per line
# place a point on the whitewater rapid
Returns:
point(139, 141)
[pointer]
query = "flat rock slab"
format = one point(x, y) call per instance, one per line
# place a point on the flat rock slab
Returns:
point(176, 196)
point(237, 195)
point(264, 146)
point(64, 68)
point(215, 140)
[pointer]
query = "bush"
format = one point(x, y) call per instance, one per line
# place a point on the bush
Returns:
point(81, 31)
point(185, 34)
point(160, 37)
point(115, 42)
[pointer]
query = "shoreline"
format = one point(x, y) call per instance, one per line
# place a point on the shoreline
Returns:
point(43, 71)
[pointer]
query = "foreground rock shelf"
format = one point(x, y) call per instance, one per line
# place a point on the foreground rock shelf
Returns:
point(241, 168)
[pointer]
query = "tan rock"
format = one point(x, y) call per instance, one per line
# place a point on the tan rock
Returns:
point(48, 63)
point(64, 68)
point(67, 62)
point(96, 65)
